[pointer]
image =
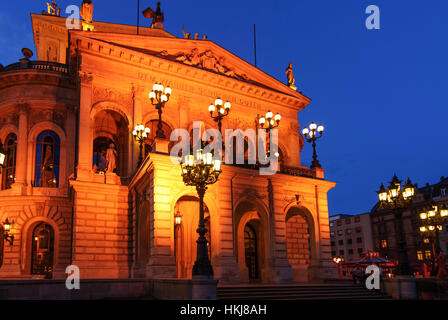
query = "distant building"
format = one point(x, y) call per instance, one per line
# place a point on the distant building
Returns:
point(350, 235)
point(419, 248)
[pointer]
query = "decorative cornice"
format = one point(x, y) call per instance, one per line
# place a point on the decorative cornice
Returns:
point(180, 70)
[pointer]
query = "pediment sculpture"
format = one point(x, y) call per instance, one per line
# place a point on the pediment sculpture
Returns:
point(206, 60)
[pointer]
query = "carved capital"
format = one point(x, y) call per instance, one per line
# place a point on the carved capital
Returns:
point(22, 108)
point(85, 78)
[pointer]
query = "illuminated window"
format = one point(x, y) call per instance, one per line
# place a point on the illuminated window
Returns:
point(426, 240)
point(428, 254)
point(348, 231)
point(47, 160)
point(383, 243)
point(357, 219)
point(358, 229)
point(340, 232)
point(9, 171)
point(339, 222)
point(332, 234)
point(420, 255)
point(348, 221)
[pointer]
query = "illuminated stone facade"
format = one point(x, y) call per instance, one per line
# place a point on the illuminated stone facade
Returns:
point(67, 109)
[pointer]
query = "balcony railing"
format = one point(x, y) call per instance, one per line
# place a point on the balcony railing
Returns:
point(37, 65)
point(292, 171)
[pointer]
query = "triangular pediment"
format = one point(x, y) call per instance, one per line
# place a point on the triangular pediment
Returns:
point(201, 54)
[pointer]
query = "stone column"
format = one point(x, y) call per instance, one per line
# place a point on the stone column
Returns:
point(137, 119)
point(162, 263)
point(281, 271)
point(22, 150)
point(84, 168)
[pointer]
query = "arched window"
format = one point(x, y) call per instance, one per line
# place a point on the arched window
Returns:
point(100, 146)
point(47, 160)
point(152, 124)
point(9, 173)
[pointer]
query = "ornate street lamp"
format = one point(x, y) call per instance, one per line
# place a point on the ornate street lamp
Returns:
point(221, 111)
point(338, 261)
point(159, 96)
point(140, 134)
point(312, 133)
point(432, 220)
point(199, 171)
point(270, 121)
point(7, 229)
point(397, 199)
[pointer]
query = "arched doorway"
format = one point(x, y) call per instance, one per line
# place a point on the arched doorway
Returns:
point(252, 242)
point(185, 234)
point(250, 251)
point(42, 250)
point(300, 242)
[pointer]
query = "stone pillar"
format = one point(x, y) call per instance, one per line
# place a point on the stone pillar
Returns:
point(281, 271)
point(22, 150)
point(162, 263)
point(224, 262)
point(137, 119)
point(326, 268)
point(84, 169)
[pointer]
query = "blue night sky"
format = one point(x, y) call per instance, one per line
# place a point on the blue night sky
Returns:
point(381, 94)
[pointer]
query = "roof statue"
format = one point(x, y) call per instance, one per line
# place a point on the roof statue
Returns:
point(87, 15)
point(187, 35)
point(52, 9)
point(290, 77)
point(157, 17)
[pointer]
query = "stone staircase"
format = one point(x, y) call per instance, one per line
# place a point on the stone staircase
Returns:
point(298, 292)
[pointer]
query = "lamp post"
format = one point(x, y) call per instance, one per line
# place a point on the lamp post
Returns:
point(432, 220)
point(397, 199)
point(140, 134)
point(221, 111)
point(338, 261)
point(6, 231)
point(268, 123)
point(159, 96)
point(312, 133)
point(199, 171)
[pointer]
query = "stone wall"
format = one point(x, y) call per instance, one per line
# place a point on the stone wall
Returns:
point(102, 243)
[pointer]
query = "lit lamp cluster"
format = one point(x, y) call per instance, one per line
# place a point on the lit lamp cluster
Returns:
point(159, 96)
point(311, 134)
point(7, 231)
point(199, 171)
point(218, 111)
point(140, 134)
point(432, 220)
point(396, 196)
point(269, 121)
